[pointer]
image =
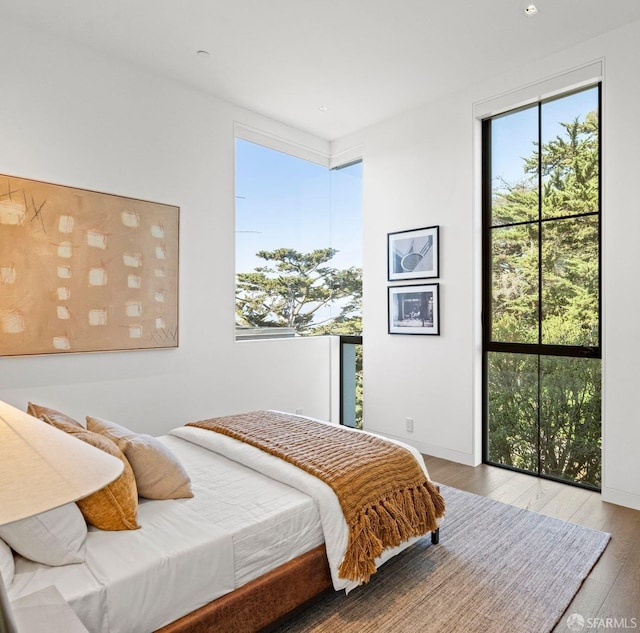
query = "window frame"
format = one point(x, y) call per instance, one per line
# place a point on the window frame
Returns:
point(538, 349)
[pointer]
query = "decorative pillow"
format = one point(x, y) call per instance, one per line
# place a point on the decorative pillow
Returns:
point(158, 472)
point(7, 564)
point(46, 414)
point(114, 507)
point(55, 537)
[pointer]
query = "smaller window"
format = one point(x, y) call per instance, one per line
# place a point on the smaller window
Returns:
point(298, 245)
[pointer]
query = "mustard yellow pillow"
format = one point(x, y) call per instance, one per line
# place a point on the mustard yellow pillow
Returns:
point(114, 507)
point(47, 414)
point(158, 472)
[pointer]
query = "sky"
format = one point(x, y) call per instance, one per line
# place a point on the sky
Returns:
point(514, 134)
point(286, 202)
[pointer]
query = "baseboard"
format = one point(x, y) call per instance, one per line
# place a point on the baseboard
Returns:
point(434, 450)
point(621, 498)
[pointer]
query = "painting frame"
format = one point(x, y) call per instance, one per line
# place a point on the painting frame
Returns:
point(413, 254)
point(85, 271)
point(414, 309)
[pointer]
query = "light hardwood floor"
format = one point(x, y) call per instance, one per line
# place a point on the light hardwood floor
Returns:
point(612, 589)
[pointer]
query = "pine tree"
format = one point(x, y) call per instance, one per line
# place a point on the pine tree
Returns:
point(293, 287)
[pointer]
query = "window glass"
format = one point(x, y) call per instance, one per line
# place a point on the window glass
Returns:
point(541, 293)
point(298, 245)
point(570, 429)
point(512, 425)
point(570, 156)
point(515, 281)
point(514, 174)
point(570, 281)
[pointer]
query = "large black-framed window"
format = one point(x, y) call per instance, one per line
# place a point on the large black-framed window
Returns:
point(542, 288)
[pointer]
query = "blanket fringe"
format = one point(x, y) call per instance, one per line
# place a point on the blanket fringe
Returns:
point(407, 513)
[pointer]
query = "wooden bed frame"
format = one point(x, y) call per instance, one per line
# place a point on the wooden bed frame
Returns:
point(263, 602)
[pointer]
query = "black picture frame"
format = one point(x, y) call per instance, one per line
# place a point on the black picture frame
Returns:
point(413, 254)
point(414, 309)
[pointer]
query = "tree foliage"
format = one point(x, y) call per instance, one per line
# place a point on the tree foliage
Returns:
point(562, 393)
point(293, 287)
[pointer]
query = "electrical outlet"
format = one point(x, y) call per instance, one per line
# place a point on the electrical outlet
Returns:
point(299, 411)
point(409, 424)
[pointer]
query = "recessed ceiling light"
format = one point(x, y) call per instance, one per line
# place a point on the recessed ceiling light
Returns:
point(531, 9)
point(322, 108)
point(202, 53)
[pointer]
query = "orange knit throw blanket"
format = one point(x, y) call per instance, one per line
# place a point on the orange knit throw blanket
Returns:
point(384, 494)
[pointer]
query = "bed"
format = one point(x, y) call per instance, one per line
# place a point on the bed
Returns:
point(258, 539)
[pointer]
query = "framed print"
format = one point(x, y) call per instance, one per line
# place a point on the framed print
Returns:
point(83, 271)
point(413, 254)
point(414, 309)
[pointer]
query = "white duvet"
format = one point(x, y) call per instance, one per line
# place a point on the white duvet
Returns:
point(334, 526)
point(247, 518)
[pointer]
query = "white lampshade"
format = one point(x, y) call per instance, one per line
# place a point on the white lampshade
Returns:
point(42, 467)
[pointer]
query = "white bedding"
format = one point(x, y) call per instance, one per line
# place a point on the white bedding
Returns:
point(240, 524)
point(188, 552)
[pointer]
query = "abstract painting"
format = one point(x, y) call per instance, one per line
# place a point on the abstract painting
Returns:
point(82, 271)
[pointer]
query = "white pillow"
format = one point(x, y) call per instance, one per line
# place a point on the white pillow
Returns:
point(55, 537)
point(7, 564)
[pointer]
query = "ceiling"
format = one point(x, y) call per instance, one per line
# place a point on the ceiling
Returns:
point(360, 60)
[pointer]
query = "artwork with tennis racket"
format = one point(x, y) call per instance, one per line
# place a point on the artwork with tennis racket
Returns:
point(414, 254)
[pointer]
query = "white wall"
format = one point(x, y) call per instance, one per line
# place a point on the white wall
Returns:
point(69, 116)
point(420, 171)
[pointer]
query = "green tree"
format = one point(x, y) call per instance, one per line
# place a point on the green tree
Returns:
point(293, 287)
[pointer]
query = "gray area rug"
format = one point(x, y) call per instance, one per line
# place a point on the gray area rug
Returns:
point(497, 569)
